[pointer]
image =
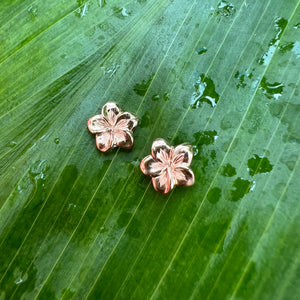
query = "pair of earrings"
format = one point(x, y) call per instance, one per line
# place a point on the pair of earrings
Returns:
point(167, 165)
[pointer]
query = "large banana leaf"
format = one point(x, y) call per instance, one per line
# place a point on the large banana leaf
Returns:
point(222, 75)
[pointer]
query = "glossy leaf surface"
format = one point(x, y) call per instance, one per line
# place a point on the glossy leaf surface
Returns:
point(76, 223)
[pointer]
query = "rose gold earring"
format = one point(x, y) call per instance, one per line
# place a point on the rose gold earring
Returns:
point(168, 166)
point(113, 127)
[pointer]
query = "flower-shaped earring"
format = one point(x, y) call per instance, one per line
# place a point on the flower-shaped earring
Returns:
point(113, 127)
point(168, 166)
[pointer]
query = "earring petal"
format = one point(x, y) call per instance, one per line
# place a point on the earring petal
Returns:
point(163, 183)
point(110, 109)
point(123, 139)
point(150, 166)
point(184, 176)
point(183, 154)
point(104, 141)
point(161, 150)
point(127, 121)
point(97, 124)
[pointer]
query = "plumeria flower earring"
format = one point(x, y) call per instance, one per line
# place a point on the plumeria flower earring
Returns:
point(113, 127)
point(168, 166)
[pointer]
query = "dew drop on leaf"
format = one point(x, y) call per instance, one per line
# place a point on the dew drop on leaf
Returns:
point(166, 96)
point(214, 195)
point(101, 3)
point(201, 50)
point(241, 187)
point(228, 170)
point(205, 137)
point(195, 150)
point(271, 90)
point(33, 12)
point(296, 49)
point(280, 25)
point(213, 154)
point(204, 91)
point(242, 78)
point(225, 9)
point(141, 88)
point(258, 164)
point(12, 144)
point(39, 168)
point(296, 26)
point(155, 97)
point(82, 8)
point(286, 47)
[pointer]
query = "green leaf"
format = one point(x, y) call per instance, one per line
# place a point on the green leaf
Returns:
point(221, 75)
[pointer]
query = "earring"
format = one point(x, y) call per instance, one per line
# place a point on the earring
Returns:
point(113, 127)
point(168, 166)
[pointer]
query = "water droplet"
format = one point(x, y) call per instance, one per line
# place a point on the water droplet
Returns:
point(38, 169)
point(296, 49)
point(213, 154)
point(286, 47)
point(18, 281)
point(56, 140)
point(228, 170)
point(33, 12)
point(271, 90)
point(242, 78)
point(296, 26)
point(241, 187)
point(32, 147)
point(205, 137)
point(201, 50)
point(254, 84)
point(136, 162)
point(155, 97)
point(214, 195)
point(258, 164)
point(205, 91)
point(19, 189)
point(82, 9)
point(44, 137)
point(124, 12)
point(111, 71)
point(101, 3)
point(166, 96)
point(142, 88)
point(195, 150)
point(280, 25)
point(121, 12)
point(103, 229)
point(225, 9)
point(21, 279)
point(253, 186)
point(12, 144)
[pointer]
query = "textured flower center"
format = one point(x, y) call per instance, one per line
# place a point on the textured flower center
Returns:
point(170, 168)
point(112, 127)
